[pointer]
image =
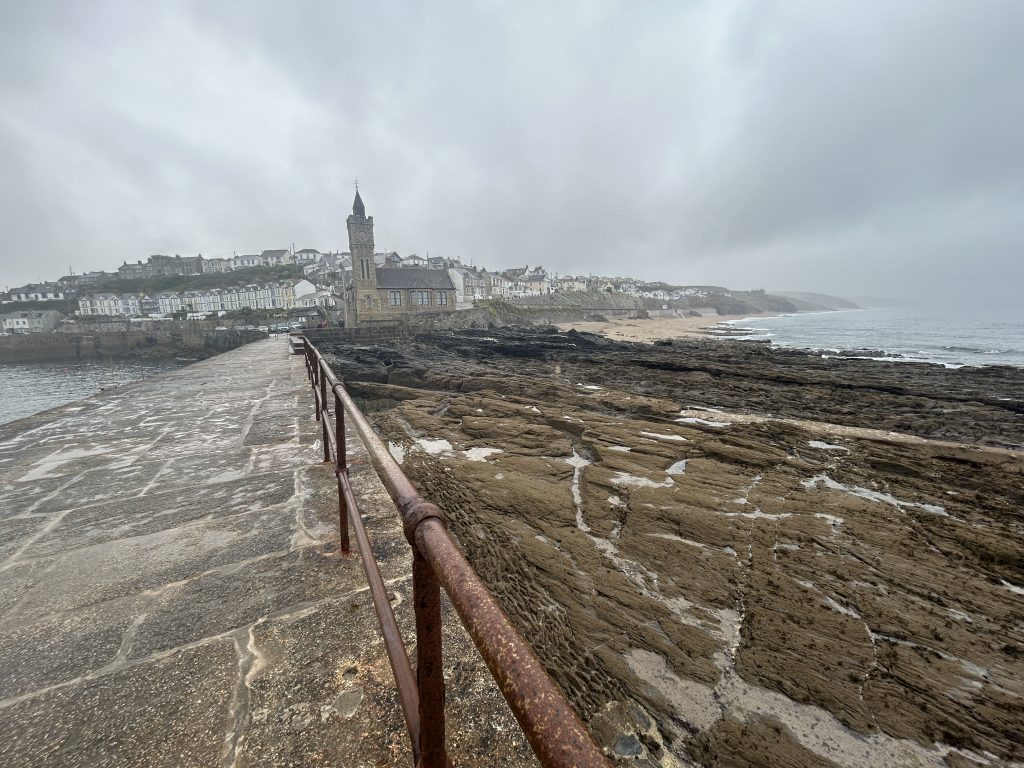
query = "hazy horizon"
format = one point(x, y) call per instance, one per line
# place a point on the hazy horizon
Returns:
point(870, 149)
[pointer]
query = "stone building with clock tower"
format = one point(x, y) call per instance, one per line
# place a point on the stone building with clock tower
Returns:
point(386, 294)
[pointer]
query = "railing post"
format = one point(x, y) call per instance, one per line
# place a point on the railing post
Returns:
point(339, 430)
point(311, 368)
point(323, 411)
point(318, 387)
point(341, 465)
point(429, 670)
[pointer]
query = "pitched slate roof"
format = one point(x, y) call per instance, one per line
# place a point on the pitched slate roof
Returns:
point(404, 278)
point(36, 288)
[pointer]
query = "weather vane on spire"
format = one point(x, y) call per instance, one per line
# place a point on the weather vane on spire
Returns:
point(357, 184)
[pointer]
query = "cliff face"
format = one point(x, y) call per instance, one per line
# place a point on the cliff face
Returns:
point(825, 569)
point(817, 302)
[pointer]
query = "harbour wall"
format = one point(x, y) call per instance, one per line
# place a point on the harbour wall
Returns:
point(167, 344)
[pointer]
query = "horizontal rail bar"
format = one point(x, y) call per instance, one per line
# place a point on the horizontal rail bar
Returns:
point(331, 437)
point(556, 734)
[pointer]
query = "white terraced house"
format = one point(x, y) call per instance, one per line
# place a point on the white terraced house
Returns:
point(161, 304)
point(319, 299)
point(248, 260)
point(308, 256)
point(37, 292)
point(281, 295)
point(216, 264)
point(110, 305)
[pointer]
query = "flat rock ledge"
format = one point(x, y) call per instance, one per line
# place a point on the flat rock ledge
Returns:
point(730, 555)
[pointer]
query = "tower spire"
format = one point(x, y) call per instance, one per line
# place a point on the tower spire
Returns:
point(358, 209)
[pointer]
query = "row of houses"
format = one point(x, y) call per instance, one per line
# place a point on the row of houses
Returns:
point(473, 283)
point(161, 266)
point(284, 294)
point(521, 282)
point(476, 283)
point(330, 270)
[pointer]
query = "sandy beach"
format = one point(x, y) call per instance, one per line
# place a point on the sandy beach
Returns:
point(649, 331)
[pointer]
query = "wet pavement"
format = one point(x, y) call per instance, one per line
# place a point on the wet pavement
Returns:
point(172, 593)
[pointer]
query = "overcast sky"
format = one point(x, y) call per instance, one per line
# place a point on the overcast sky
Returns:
point(860, 148)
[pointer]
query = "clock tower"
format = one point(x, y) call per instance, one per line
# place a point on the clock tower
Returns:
point(365, 299)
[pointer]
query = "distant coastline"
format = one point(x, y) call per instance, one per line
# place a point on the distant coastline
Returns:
point(950, 336)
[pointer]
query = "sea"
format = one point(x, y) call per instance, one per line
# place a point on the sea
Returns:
point(953, 337)
point(27, 388)
point(950, 336)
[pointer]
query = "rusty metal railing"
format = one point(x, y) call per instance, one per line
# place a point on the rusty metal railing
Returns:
point(556, 734)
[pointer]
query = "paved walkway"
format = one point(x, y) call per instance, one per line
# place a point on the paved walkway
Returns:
point(171, 593)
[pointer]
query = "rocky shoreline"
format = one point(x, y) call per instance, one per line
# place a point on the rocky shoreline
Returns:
point(729, 554)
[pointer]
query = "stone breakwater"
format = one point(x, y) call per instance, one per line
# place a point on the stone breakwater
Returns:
point(172, 594)
point(730, 555)
point(43, 347)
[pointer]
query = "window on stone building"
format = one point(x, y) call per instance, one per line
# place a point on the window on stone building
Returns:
point(420, 298)
point(395, 297)
point(442, 298)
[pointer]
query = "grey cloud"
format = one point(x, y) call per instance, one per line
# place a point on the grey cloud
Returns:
point(860, 148)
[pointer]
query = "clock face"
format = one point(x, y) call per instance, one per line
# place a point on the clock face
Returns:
point(362, 236)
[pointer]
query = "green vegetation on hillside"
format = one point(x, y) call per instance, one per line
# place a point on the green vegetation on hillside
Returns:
point(150, 285)
point(65, 307)
point(816, 302)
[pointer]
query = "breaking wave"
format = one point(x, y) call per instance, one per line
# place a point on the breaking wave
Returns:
point(953, 338)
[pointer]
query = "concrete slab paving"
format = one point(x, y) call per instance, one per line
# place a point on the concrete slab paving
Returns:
point(170, 711)
point(172, 593)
